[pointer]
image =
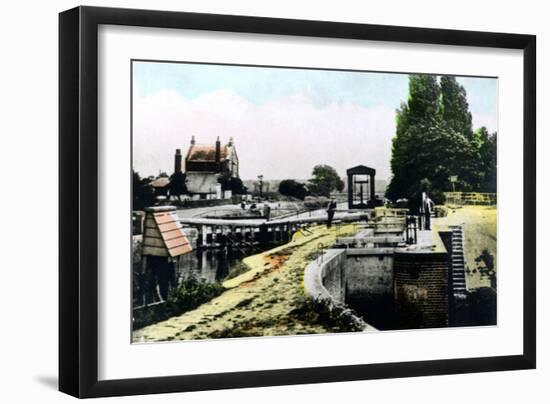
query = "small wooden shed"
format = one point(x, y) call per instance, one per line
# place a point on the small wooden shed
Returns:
point(163, 234)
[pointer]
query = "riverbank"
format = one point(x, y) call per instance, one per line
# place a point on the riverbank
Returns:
point(269, 299)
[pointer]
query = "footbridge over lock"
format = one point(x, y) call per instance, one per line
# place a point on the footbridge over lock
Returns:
point(215, 233)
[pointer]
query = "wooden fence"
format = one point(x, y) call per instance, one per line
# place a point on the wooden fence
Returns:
point(470, 198)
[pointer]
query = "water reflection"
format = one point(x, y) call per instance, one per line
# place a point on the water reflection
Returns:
point(207, 265)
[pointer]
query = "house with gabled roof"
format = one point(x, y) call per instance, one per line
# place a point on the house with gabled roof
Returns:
point(205, 164)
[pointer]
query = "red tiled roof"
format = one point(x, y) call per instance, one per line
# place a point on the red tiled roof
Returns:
point(171, 232)
point(163, 234)
point(206, 153)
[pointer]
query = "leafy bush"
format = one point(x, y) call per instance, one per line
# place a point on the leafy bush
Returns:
point(187, 296)
point(233, 184)
point(336, 317)
point(191, 294)
point(325, 180)
point(293, 188)
point(237, 269)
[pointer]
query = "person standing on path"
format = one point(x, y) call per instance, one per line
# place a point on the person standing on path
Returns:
point(331, 208)
point(428, 209)
point(267, 211)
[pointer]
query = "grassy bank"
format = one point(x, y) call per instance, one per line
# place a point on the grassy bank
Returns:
point(480, 239)
point(187, 296)
point(268, 299)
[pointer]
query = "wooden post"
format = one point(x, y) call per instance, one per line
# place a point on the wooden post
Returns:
point(215, 239)
point(204, 241)
point(372, 190)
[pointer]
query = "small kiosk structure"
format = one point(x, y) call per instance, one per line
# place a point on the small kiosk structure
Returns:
point(361, 194)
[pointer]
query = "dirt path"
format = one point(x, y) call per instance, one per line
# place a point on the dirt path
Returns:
point(267, 300)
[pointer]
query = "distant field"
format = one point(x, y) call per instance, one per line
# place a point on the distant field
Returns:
point(480, 231)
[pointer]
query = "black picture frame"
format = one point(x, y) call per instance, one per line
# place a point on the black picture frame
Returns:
point(78, 200)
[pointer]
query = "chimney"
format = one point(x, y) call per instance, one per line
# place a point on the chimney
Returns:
point(230, 143)
point(192, 140)
point(177, 161)
point(218, 151)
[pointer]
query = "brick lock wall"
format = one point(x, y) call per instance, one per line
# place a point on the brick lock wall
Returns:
point(421, 290)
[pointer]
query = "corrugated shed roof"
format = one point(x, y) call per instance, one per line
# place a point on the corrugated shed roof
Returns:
point(199, 182)
point(164, 235)
point(206, 153)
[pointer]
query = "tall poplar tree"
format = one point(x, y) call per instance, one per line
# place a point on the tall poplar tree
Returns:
point(434, 140)
point(488, 152)
point(454, 106)
point(418, 127)
point(467, 164)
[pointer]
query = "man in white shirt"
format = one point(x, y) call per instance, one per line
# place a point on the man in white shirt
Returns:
point(428, 209)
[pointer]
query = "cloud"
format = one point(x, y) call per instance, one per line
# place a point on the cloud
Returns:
point(282, 138)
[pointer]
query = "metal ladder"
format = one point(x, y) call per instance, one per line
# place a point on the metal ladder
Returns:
point(458, 276)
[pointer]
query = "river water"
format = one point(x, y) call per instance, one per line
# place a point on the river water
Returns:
point(205, 265)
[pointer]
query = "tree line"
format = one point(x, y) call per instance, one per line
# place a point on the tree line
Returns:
point(144, 194)
point(324, 179)
point(435, 140)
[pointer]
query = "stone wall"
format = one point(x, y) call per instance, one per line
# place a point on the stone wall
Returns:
point(421, 291)
point(369, 284)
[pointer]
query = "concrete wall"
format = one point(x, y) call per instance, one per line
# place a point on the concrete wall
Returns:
point(362, 274)
point(324, 277)
point(369, 285)
point(360, 278)
point(369, 273)
point(333, 277)
point(324, 283)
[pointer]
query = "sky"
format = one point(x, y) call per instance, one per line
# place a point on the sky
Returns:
point(284, 121)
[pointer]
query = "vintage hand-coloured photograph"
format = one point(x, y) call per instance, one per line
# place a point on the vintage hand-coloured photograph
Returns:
point(271, 201)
